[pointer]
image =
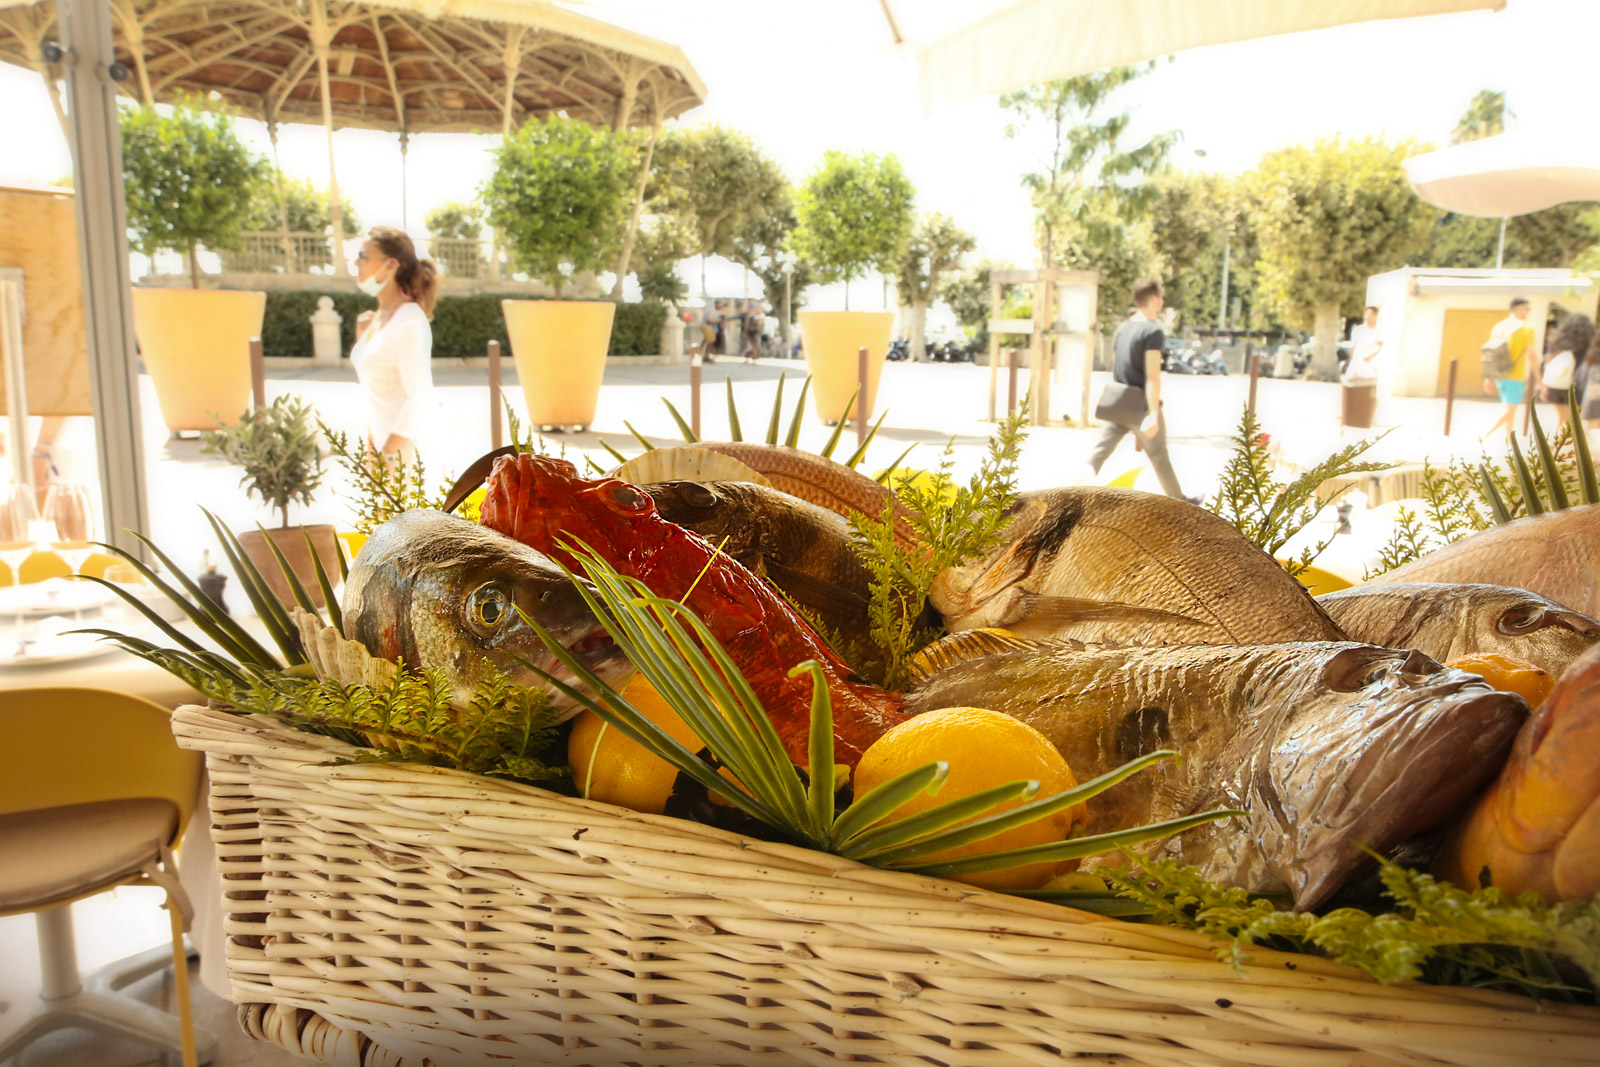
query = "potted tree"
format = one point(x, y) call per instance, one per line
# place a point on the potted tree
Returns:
point(558, 201)
point(855, 213)
point(934, 251)
point(455, 233)
point(190, 182)
point(282, 460)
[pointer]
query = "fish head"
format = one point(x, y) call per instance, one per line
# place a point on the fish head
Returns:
point(1532, 628)
point(542, 502)
point(712, 511)
point(989, 591)
point(1387, 743)
point(434, 591)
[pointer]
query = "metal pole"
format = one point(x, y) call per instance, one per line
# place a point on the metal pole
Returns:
point(1500, 250)
point(89, 63)
point(1011, 384)
point(258, 374)
point(861, 397)
point(1222, 311)
point(696, 354)
point(1255, 376)
point(496, 431)
point(1450, 394)
point(16, 379)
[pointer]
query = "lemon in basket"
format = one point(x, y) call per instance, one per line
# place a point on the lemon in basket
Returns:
point(984, 749)
point(610, 766)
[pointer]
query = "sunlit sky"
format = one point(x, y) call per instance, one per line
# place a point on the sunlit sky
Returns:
point(803, 78)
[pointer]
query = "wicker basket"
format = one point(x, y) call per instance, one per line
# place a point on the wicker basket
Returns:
point(382, 914)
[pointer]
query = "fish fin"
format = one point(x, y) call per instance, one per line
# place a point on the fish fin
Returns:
point(812, 591)
point(968, 644)
point(1060, 610)
point(476, 474)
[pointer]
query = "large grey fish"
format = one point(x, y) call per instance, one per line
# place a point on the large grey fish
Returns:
point(1448, 621)
point(1113, 565)
point(437, 591)
point(802, 548)
point(1330, 746)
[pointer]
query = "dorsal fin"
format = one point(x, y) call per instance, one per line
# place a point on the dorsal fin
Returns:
point(968, 644)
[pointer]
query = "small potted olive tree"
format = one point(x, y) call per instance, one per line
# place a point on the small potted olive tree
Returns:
point(190, 182)
point(855, 213)
point(282, 460)
point(558, 201)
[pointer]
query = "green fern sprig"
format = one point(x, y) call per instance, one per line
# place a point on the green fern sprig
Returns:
point(1409, 541)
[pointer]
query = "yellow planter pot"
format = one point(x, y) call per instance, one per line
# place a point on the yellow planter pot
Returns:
point(196, 346)
point(833, 340)
point(560, 350)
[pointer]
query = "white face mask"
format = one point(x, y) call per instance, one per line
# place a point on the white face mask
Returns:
point(371, 286)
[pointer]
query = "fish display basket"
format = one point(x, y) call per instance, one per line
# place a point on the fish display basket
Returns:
point(389, 915)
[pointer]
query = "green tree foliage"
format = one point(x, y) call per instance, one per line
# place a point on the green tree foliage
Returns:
point(934, 251)
point(462, 222)
point(763, 245)
point(279, 451)
point(967, 294)
point(559, 196)
point(188, 179)
point(1560, 236)
point(716, 182)
point(1484, 117)
point(1326, 218)
point(854, 213)
point(305, 205)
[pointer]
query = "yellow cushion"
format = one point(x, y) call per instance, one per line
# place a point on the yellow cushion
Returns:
point(53, 855)
point(44, 565)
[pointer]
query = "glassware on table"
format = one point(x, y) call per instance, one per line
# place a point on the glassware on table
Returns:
point(18, 508)
point(68, 506)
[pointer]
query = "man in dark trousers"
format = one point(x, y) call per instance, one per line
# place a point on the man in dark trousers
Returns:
point(1138, 347)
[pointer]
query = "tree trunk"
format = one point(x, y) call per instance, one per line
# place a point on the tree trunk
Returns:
point(638, 209)
point(919, 326)
point(847, 294)
point(194, 268)
point(1325, 349)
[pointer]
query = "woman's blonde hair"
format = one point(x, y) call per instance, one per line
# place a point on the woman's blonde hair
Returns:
point(417, 278)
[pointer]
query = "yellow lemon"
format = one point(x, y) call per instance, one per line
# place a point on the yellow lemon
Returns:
point(610, 766)
point(984, 749)
point(1509, 675)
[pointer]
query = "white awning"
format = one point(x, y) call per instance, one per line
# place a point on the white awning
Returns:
point(1509, 174)
point(1553, 284)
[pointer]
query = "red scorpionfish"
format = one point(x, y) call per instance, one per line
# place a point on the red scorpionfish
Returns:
point(540, 501)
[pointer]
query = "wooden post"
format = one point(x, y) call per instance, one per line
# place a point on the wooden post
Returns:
point(1011, 386)
point(861, 397)
point(258, 374)
point(496, 431)
point(695, 355)
point(1450, 394)
point(1527, 404)
point(1255, 376)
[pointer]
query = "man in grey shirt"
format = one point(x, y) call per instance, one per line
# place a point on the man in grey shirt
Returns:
point(1138, 348)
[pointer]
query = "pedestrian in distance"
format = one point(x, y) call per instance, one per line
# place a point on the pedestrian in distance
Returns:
point(1564, 365)
point(1132, 402)
point(1510, 365)
point(393, 353)
point(754, 320)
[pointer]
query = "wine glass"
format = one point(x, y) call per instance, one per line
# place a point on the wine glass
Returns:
point(18, 507)
point(68, 506)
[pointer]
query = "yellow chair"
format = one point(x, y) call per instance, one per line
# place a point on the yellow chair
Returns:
point(45, 565)
point(93, 793)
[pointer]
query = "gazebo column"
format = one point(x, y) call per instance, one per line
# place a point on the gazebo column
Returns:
point(321, 38)
point(511, 60)
point(283, 199)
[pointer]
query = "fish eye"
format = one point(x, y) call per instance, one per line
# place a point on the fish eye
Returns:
point(1355, 669)
point(487, 608)
point(696, 495)
point(625, 495)
point(1521, 620)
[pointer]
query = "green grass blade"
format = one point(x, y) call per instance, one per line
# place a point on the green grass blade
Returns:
point(939, 818)
point(211, 619)
point(1109, 903)
point(344, 564)
point(888, 472)
point(882, 801)
point(269, 609)
point(618, 456)
point(1530, 492)
point(637, 436)
point(820, 789)
point(1588, 486)
point(683, 426)
point(838, 427)
point(592, 465)
point(735, 433)
point(1074, 848)
point(777, 412)
point(297, 589)
point(1552, 472)
point(792, 438)
point(151, 615)
point(1491, 495)
point(335, 616)
point(861, 450)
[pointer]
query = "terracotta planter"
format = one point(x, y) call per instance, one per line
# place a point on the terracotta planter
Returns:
point(291, 541)
point(196, 346)
point(833, 340)
point(560, 351)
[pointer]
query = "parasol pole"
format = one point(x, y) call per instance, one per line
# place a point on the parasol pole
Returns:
point(283, 198)
point(405, 215)
point(321, 38)
point(1500, 252)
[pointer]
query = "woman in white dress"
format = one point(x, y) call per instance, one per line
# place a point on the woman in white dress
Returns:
point(393, 352)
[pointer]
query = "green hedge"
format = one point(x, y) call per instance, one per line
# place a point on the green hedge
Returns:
point(462, 325)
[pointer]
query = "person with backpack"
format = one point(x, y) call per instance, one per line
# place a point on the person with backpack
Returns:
point(1507, 366)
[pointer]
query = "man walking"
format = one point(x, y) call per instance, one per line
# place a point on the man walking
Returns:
point(1132, 403)
point(1507, 366)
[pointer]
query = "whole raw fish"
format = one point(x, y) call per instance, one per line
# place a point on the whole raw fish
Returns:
point(433, 590)
point(542, 502)
point(1113, 565)
point(1556, 555)
point(1448, 621)
point(1330, 746)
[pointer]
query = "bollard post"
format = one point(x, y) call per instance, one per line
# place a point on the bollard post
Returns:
point(1450, 394)
point(1255, 376)
point(496, 432)
point(258, 373)
point(861, 397)
point(1527, 408)
point(696, 353)
point(1012, 365)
